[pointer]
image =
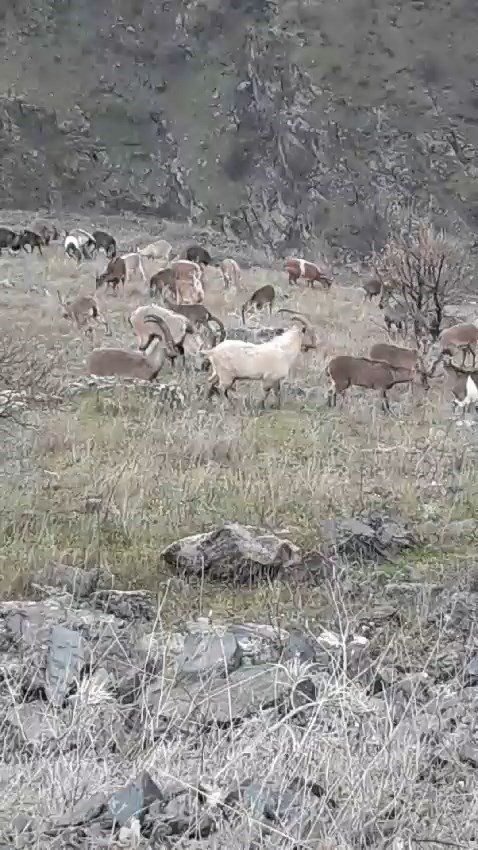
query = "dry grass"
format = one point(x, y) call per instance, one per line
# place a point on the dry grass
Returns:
point(162, 474)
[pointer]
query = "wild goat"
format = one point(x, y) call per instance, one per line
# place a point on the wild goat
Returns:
point(134, 265)
point(457, 378)
point(114, 274)
point(197, 314)
point(297, 268)
point(106, 242)
point(406, 358)
point(164, 279)
point(9, 239)
point(159, 250)
point(34, 240)
point(372, 288)
point(462, 338)
point(393, 314)
point(134, 364)
point(198, 255)
point(269, 362)
point(231, 273)
point(81, 310)
point(180, 328)
point(45, 229)
point(471, 397)
point(79, 243)
point(188, 282)
point(258, 300)
point(345, 372)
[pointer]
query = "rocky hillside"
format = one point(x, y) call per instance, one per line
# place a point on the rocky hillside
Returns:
point(276, 122)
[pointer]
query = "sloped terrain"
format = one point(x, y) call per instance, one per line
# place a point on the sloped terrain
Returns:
point(287, 124)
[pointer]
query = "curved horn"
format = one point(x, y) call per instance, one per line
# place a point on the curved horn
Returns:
point(157, 320)
point(60, 299)
point(298, 316)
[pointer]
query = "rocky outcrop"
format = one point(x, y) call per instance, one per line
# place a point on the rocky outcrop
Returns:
point(288, 125)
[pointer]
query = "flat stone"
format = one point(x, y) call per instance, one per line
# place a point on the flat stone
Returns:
point(65, 661)
point(243, 693)
point(298, 648)
point(84, 811)
point(206, 654)
point(133, 800)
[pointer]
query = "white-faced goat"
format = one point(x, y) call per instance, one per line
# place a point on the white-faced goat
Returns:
point(345, 372)
point(269, 362)
point(456, 379)
point(79, 243)
point(231, 273)
point(463, 337)
point(263, 297)
point(180, 328)
point(134, 364)
point(114, 274)
point(297, 268)
point(471, 397)
point(81, 310)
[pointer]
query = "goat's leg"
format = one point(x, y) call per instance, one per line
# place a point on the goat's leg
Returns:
point(473, 354)
point(385, 404)
point(332, 394)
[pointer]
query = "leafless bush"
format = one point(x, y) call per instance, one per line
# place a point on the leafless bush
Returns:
point(425, 270)
point(25, 375)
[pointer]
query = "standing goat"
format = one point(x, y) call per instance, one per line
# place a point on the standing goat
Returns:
point(269, 362)
point(134, 265)
point(394, 314)
point(159, 250)
point(114, 274)
point(199, 255)
point(134, 364)
point(197, 314)
point(9, 239)
point(231, 273)
point(298, 268)
point(471, 397)
point(180, 328)
point(33, 239)
point(189, 279)
point(162, 280)
point(259, 299)
point(457, 378)
point(463, 337)
point(372, 288)
point(45, 229)
point(345, 372)
point(81, 310)
point(105, 241)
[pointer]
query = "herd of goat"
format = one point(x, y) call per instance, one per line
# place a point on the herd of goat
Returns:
point(173, 328)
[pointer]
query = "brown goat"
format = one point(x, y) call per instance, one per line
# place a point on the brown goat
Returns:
point(81, 310)
point(456, 378)
point(297, 268)
point(345, 372)
point(164, 279)
point(259, 299)
point(197, 314)
point(372, 288)
point(463, 337)
point(231, 273)
point(114, 274)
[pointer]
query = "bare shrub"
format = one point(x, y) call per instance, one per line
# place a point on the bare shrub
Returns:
point(25, 374)
point(425, 270)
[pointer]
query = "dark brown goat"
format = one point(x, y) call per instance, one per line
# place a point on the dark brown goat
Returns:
point(114, 274)
point(259, 299)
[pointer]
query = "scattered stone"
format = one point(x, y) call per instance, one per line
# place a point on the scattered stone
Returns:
point(79, 582)
point(203, 655)
point(134, 800)
point(84, 811)
point(127, 604)
point(371, 537)
point(235, 553)
point(65, 661)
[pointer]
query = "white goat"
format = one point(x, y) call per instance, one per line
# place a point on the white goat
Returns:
point(231, 273)
point(269, 362)
point(159, 250)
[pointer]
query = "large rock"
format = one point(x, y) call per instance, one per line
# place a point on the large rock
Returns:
point(234, 553)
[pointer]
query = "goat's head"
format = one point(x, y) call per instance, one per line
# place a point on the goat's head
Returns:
point(309, 336)
point(325, 281)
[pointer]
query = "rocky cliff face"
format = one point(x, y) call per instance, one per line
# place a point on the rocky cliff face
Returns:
point(277, 122)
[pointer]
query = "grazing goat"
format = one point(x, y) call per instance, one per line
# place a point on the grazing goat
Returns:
point(395, 315)
point(197, 314)
point(457, 378)
point(345, 372)
point(189, 282)
point(9, 239)
point(199, 255)
point(164, 279)
point(134, 364)
point(179, 326)
point(81, 310)
point(34, 240)
point(462, 338)
point(106, 242)
point(258, 300)
point(231, 273)
point(134, 265)
point(471, 395)
point(159, 250)
point(372, 288)
point(297, 268)
point(406, 358)
point(79, 243)
point(45, 229)
point(114, 274)
point(269, 362)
